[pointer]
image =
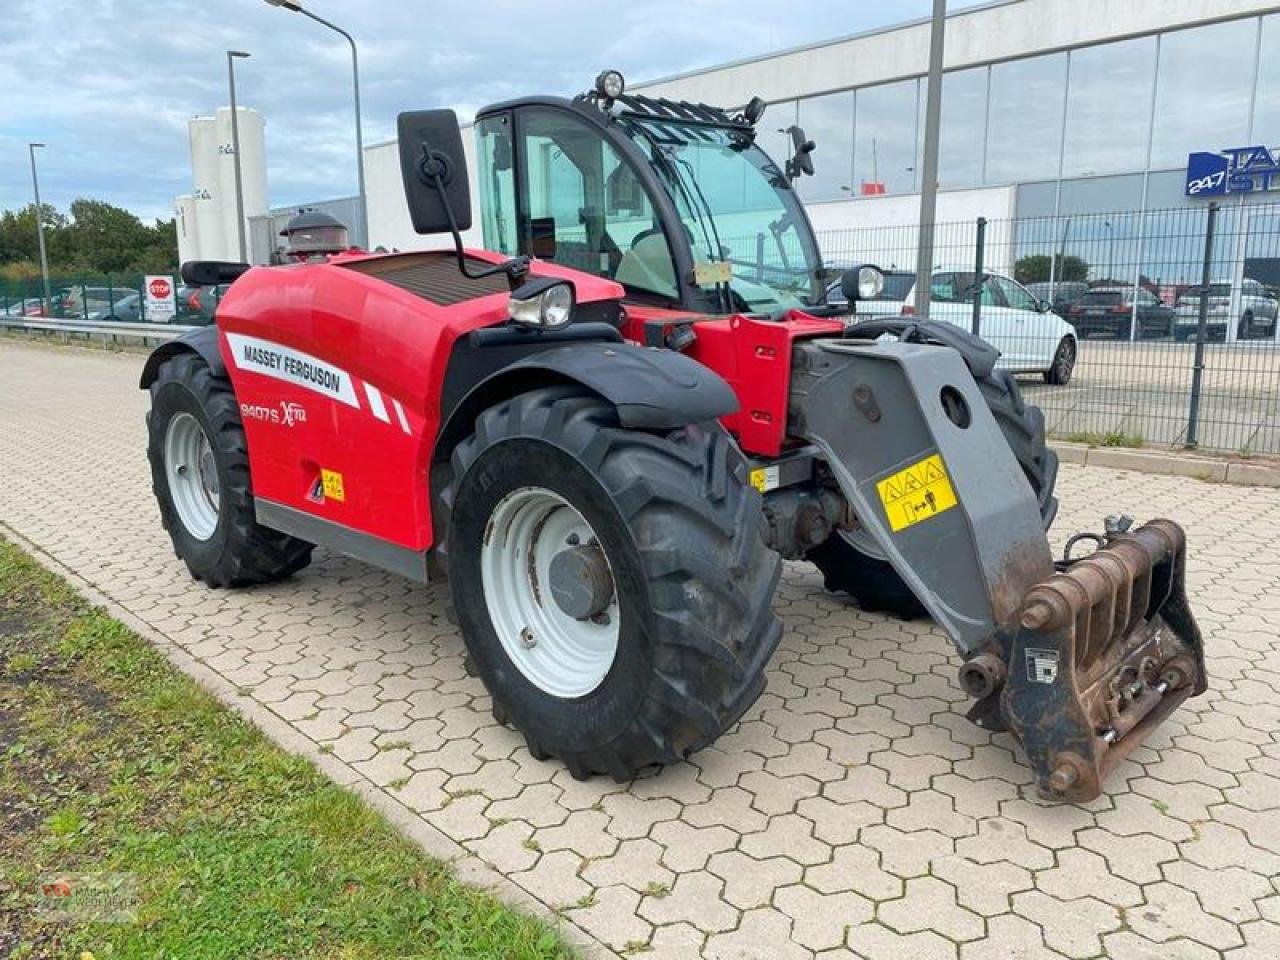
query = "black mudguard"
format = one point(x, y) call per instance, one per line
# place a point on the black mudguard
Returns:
point(651, 389)
point(203, 341)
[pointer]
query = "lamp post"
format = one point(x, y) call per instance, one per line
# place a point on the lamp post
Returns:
point(232, 57)
point(44, 256)
point(929, 184)
point(297, 7)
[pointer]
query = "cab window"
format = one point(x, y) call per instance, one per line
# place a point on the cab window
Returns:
point(496, 172)
point(582, 206)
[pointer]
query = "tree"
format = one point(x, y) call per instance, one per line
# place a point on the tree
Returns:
point(97, 237)
point(1036, 268)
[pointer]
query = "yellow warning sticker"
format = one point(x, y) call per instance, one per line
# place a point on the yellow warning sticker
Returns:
point(765, 479)
point(921, 491)
point(331, 482)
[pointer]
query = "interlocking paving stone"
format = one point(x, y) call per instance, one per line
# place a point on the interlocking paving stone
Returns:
point(853, 813)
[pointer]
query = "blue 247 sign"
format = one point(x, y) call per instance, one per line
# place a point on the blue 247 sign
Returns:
point(1236, 170)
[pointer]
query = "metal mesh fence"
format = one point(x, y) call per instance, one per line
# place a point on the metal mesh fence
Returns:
point(1143, 299)
point(103, 298)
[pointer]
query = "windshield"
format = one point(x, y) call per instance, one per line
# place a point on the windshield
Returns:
point(741, 216)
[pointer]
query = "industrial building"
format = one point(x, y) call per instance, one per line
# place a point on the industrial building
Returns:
point(206, 217)
point(1050, 108)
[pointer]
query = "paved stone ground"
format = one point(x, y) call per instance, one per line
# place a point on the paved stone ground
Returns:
point(853, 812)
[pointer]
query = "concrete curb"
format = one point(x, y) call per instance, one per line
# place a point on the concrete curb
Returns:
point(466, 866)
point(1260, 473)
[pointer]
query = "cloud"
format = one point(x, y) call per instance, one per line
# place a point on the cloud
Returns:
point(110, 84)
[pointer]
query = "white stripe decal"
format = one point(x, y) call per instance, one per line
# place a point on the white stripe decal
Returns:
point(404, 423)
point(292, 366)
point(375, 403)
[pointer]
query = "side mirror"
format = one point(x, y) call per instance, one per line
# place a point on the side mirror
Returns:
point(862, 283)
point(1043, 306)
point(434, 170)
point(802, 160)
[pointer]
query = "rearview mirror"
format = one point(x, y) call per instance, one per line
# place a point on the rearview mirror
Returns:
point(434, 170)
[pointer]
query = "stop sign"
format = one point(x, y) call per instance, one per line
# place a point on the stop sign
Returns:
point(160, 288)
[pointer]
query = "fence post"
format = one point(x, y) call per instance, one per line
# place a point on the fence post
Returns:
point(1197, 371)
point(979, 279)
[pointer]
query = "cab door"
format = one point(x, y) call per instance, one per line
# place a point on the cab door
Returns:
point(581, 204)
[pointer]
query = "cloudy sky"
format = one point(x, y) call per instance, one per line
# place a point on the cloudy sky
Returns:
point(109, 84)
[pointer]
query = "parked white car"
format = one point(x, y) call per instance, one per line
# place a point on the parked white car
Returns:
point(1258, 311)
point(1030, 337)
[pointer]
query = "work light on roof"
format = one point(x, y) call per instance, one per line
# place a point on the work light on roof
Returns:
point(610, 85)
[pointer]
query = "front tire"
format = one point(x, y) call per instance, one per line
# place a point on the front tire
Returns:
point(1063, 365)
point(200, 478)
point(871, 580)
point(665, 645)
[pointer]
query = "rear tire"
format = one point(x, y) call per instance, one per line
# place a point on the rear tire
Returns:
point(872, 580)
point(688, 571)
point(200, 477)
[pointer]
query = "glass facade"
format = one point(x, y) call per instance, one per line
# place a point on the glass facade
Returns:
point(1117, 108)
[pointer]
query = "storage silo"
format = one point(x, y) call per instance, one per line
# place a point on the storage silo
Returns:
point(253, 173)
point(207, 195)
point(184, 215)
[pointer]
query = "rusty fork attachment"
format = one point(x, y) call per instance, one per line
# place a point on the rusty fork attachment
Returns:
point(1103, 651)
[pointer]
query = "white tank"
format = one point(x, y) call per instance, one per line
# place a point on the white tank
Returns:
point(184, 215)
point(207, 196)
point(253, 173)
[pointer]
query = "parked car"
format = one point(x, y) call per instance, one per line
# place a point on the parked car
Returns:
point(1111, 310)
point(27, 307)
point(1258, 311)
point(77, 302)
point(1060, 295)
point(127, 309)
point(196, 304)
point(1031, 338)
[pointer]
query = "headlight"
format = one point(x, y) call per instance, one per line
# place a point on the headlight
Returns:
point(862, 283)
point(543, 303)
point(870, 283)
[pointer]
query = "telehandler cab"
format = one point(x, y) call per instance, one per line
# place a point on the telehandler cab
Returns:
point(609, 428)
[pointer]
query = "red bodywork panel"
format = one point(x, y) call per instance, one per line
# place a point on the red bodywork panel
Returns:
point(338, 376)
point(364, 403)
point(754, 358)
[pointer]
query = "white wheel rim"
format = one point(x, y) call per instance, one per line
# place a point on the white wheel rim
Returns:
point(558, 654)
point(193, 475)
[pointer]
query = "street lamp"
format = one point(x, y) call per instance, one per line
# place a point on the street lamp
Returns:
point(297, 7)
point(232, 57)
point(44, 256)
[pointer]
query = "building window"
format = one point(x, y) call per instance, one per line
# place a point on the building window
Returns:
point(1202, 93)
point(885, 142)
point(964, 127)
point(1024, 133)
point(1109, 108)
point(828, 122)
